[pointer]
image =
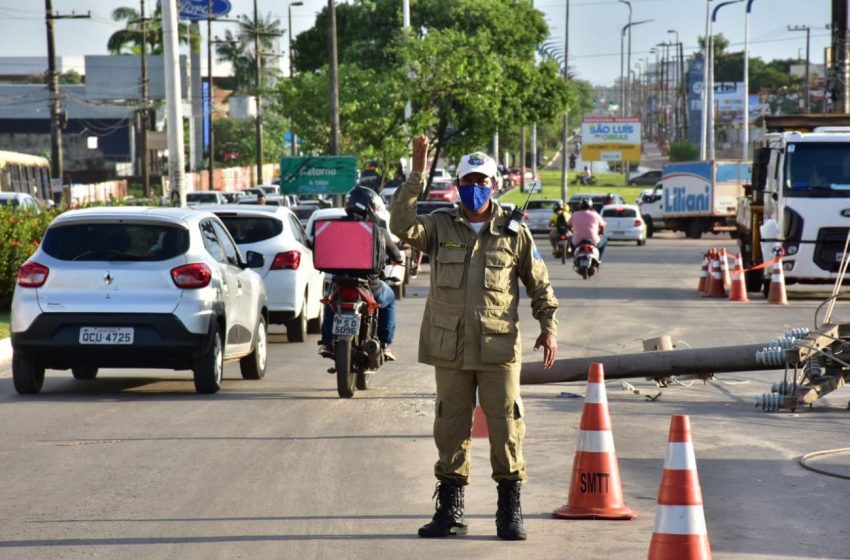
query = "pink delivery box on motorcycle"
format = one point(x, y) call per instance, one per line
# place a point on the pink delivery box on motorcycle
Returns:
point(346, 247)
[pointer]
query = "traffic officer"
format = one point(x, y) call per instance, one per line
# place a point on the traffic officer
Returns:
point(470, 332)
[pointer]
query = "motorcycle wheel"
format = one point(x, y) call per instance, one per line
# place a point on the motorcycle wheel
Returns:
point(345, 376)
point(563, 254)
point(583, 271)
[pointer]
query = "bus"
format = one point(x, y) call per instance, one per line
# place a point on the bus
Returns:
point(25, 173)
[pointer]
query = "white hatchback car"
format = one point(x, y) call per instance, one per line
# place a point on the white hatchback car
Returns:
point(134, 287)
point(538, 212)
point(624, 223)
point(293, 285)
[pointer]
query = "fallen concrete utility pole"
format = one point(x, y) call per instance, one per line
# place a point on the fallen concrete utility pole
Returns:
point(697, 361)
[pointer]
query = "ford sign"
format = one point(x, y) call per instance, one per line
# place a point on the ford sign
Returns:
point(195, 10)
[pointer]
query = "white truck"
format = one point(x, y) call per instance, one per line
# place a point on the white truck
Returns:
point(799, 199)
point(696, 197)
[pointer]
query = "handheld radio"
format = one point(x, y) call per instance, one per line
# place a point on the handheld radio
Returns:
point(518, 216)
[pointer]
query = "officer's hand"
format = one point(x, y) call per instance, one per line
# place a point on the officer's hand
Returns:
point(420, 154)
point(550, 348)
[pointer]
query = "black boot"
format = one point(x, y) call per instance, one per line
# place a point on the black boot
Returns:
point(448, 520)
point(509, 515)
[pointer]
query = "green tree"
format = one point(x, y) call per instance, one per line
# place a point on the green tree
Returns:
point(238, 136)
point(472, 72)
point(129, 39)
point(238, 49)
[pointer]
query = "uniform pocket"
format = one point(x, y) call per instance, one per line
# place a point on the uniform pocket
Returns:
point(498, 338)
point(450, 266)
point(443, 336)
point(497, 271)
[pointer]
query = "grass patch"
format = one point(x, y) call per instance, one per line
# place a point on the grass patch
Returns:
point(608, 183)
point(4, 324)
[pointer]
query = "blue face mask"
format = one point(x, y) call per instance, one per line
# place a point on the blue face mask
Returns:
point(474, 196)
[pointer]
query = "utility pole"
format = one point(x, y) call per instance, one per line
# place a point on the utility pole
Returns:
point(173, 103)
point(294, 139)
point(211, 99)
point(808, 31)
point(144, 115)
point(258, 97)
point(334, 78)
point(56, 119)
point(565, 133)
point(838, 70)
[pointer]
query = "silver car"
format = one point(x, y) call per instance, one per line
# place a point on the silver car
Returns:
point(133, 287)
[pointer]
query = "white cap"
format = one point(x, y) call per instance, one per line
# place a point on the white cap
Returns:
point(477, 162)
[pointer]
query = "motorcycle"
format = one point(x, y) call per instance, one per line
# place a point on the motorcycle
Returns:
point(357, 349)
point(586, 259)
point(581, 180)
point(564, 248)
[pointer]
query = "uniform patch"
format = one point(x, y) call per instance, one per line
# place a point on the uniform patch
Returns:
point(536, 254)
point(452, 245)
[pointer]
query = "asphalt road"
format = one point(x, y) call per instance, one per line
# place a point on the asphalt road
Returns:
point(136, 465)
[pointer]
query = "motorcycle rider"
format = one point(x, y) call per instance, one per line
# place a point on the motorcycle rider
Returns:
point(363, 203)
point(587, 225)
point(586, 177)
point(558, 225)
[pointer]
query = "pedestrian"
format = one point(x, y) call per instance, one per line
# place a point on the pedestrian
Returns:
point(470, 332)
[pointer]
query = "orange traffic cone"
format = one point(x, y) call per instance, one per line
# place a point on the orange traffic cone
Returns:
point(595, 489)
point(715, 281)
point(724, 270)
point(738, 289)
point(777, 293)
point(703, 274)
point(680, 532)
point(708, 275)
point(479, 423)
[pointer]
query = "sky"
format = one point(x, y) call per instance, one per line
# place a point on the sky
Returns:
point(595, 25)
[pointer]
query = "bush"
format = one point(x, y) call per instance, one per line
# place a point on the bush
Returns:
point(20, 233)
point(682, 150)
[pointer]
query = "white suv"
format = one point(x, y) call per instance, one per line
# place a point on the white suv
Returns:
point(133, 287)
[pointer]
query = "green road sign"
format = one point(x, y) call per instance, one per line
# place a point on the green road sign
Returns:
point(318, 175)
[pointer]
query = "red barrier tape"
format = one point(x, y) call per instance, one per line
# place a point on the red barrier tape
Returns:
point(765, 264)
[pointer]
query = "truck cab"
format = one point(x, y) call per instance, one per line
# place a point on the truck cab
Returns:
point(799, 201)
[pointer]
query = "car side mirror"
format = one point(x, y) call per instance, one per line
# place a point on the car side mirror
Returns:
point(255, 259)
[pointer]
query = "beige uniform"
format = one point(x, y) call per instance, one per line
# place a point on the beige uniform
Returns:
point(470, 329)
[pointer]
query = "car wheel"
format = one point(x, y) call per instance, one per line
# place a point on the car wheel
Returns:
point(649, 229)
point(314, 325)
point(84, 373)
point(209, 367)
point(253, 366)
point(296, 328)
point(694, 230)
point(27, 375)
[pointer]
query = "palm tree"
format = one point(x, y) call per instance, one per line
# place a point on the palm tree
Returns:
point(238, 49)
point(129, 39)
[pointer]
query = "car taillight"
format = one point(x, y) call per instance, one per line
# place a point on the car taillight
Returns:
point(287, 260)
point(638, 223)
point(349, 294)
point(189, 276)
point(32, 275)
point(587, 249)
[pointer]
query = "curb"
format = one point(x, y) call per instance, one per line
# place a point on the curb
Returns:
point(5, 351)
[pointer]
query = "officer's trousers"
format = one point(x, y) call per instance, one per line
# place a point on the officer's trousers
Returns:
point(500, 399)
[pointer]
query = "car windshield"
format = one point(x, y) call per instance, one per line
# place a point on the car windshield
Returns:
point(115, 242)
point(202, 197)
point(13, 202)
point(817, 169)
point(303, 213)
point(250, 229)
point(541, 205)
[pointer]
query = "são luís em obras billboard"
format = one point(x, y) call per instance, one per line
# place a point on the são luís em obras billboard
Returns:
point(610, 139)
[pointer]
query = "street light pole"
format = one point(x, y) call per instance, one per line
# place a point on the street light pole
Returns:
point(622, 77)
point(808, 31)
point(703, 135)
point(745, 148)
point(711, 145)
point(334, 79)
point(257, 96)
point(565, 132)
point(678, 80)
point(293, 147)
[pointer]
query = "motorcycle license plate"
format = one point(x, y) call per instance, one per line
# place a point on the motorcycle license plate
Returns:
point(346, 325)
point(106, 335)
